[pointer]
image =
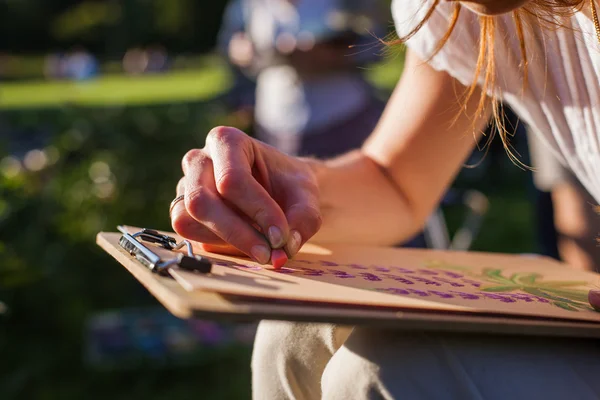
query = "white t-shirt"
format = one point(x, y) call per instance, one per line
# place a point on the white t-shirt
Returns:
point(562, 99)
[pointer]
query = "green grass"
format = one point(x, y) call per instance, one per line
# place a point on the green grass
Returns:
point(171, 87)
point(209, 78)
point(386, 74)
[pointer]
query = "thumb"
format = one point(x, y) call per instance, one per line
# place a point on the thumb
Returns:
point(594, 299)
point(304, 219)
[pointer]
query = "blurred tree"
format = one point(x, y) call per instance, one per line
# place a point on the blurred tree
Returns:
point(108, 27)
point(172, 17)
point(97, 168)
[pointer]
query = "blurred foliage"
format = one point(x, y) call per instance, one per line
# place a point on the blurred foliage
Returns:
point(108, 27)
point(94, 169)
point(83, 17)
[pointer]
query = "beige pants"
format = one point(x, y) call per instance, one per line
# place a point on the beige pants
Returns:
point(314, 361)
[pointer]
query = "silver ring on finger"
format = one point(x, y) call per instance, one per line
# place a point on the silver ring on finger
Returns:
point(174, 203)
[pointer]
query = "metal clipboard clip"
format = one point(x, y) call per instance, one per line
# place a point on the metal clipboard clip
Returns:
point(132, 243)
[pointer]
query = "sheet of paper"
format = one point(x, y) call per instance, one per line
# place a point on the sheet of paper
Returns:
point(408, 278)
point(429, 280)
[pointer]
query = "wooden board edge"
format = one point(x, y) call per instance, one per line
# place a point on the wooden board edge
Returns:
point(163, 294)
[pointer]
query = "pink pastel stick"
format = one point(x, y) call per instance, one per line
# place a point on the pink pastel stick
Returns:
point(278, 258)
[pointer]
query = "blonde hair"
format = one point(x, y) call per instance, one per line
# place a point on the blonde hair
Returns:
point(547, 13)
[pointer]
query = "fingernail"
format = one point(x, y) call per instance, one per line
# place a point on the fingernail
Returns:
point(261, 253)
point(275, 237)
point(594, 298)
point(294, 243)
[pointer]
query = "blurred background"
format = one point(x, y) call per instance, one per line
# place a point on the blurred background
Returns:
point(99, 100)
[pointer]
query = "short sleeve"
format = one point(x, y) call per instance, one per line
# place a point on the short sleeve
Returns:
point(459, 55)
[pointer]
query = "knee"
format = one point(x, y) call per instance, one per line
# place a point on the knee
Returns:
point(354, 370)
point(377, 363)
point(275, 341)
point(289, 358)
point(280, 342)
point(348, 376)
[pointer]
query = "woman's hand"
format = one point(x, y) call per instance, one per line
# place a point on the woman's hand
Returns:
point(244, 196)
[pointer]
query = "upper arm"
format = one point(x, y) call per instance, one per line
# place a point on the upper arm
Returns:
point(425, 134)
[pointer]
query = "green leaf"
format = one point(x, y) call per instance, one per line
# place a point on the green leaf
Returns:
point(492, 273)
point(496, 275)
point(537, 292)
point(581, 306)
point(500, 288)
point(526, 278)
point(534, 291)
point(564, 306)
point(559, 284)
point(574, 295)
point(551, 296)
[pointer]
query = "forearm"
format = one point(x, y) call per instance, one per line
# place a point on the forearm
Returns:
point(360, 204)
point(384, 193)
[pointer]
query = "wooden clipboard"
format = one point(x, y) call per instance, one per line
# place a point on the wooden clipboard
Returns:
point(233, 306)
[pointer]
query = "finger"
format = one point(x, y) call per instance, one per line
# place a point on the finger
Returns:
point(221, 249)
point(233, 159)
point(304, 217)
point(204, 204)
point(180, 187)
point(594, 299)
point(188, 227)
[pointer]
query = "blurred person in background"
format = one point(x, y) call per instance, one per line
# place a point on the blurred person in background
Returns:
point(567, 220)
point(81, 65)
point(148, 60)
point(241, 97)
point(311, 97)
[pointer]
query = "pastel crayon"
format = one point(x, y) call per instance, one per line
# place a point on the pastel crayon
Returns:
point(278, 258)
